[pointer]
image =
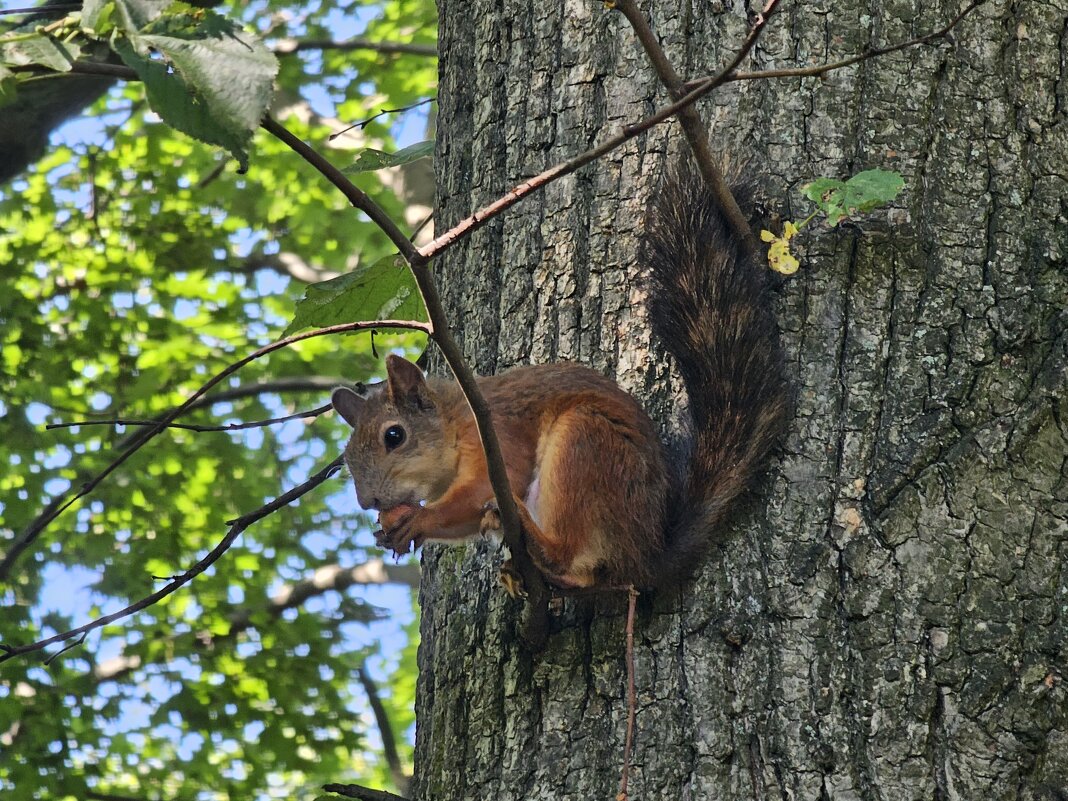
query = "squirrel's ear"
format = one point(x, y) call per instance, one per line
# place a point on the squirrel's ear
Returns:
point(348, 404)
point(405, 384)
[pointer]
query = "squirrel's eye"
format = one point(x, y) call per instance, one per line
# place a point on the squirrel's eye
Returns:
point(393, 437)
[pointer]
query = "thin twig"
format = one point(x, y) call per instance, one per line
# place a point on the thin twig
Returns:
point(63, 502)
point(422, 224)
point(237, 526)
point(632, 703)
point(68, 647)
point(820, 70)
point(535, 626)
point(189, 427)
point(54, 9)
point(382, 112)
point(91, 795)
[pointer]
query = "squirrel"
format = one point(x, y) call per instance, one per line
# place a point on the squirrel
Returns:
point(600, 502)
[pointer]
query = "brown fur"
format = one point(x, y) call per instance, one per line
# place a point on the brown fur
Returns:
point(583, 459)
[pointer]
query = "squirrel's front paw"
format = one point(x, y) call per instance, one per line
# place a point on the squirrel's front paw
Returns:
point(403, 529)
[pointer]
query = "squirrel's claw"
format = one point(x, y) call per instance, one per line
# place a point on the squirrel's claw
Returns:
point(512, 581)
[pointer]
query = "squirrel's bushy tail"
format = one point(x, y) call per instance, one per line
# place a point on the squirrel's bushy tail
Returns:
point(709, 306)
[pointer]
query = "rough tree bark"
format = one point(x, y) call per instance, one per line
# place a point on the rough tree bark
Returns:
point(888, 617)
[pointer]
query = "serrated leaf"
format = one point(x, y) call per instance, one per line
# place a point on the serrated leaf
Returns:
point(383, 290)
point(371, 159)
point(136, 14)
point(28, 50)
point(219, 89)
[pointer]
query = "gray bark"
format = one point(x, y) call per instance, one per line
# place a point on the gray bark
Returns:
point(888, 618)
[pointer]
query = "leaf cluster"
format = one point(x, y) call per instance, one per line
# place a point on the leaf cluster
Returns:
point(137, 262)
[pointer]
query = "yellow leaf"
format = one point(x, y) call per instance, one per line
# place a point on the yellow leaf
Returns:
point(780, 259)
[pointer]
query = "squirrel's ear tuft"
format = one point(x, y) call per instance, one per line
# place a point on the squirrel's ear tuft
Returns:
point(405, 384)
point(348, 404)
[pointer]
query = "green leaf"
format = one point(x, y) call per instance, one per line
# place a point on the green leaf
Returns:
point(863, 192)
point(871, 188)
point(136, 14)
point(383, 290)
point(130, 16)
point(371, 159)
point(218, 91)
point(215, 85)
point(97, 15)
point(27, 50)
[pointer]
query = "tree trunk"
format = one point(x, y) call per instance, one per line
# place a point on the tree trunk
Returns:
point(888, 617)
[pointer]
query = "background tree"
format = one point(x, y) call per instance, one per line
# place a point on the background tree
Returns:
point(136, 262)
point(887, 617)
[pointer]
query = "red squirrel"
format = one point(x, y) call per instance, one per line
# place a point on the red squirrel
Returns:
point(600, 503)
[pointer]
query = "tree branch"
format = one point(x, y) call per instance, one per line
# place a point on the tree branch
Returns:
point(362, 793)
point(237, 526)
point(190, 427)
point(328, 578)
point(352, 193)
point(535, 626)
point(63, 502)
point(479, 218)
point(285, 47)
point(385, 729)
point(288, 264)
point(91, 795)
point(693, 126)
point(308, 383)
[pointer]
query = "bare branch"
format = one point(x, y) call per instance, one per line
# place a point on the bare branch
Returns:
point(328, 578)
point(94, 68)
point(308, 383)
point(536, 625)
point(288, 264)
point(383, 112)
point(62, 502)
point(385, 729)
point(60, 8)
point(632, 701)
point(338, 579)
point(362, 793)
point(237, 526)
point(352, 193)
point(285, 47)
point(90, 795)
point(692, 126)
